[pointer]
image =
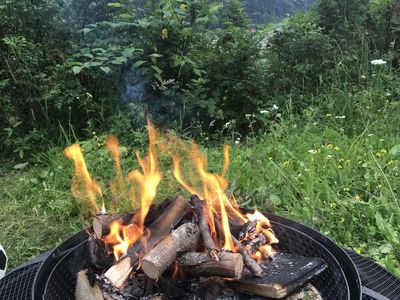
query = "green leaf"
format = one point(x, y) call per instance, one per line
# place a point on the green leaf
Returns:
point(86, 30)
point(76, 69)
point(157, 69)
point(92, 64)
point(156, 55)
point(114, 4)
point(198, 72)
point(139, 63)
point(20, 166)
point(158, 76)
point(395, 151)
point(105, 69)
point(144, 23)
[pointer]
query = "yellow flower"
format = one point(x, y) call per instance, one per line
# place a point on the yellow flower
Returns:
point(340, 167)
point(285, 163)
point(328, 115)
point(184, 6)
point(358, 251)
point(337, 148)
point(346, 189)
point(164, 33)
point(329, 146)
point(357, 197)
point(390, 162)
point(347, 161)
point(270, 158)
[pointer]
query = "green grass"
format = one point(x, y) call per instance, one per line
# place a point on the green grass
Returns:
point(309, 169)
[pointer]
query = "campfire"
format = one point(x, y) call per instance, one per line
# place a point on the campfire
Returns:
point(200, 246)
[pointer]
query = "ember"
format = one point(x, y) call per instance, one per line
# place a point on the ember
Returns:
point(207, 236)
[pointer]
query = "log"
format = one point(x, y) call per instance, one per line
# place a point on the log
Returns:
point(185, 238)
point(97, 253)
point(158, 230)
point(229, 265)
point(256, 242)
point(280, 277)
point(101, 222)
point(241, 231)
point(250, 263)
point(202, 214)
point(84, 290)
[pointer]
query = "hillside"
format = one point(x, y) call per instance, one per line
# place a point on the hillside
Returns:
point(264, 11)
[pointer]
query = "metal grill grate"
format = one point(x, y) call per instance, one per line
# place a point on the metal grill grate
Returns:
point(376, 278)
point(18, 284)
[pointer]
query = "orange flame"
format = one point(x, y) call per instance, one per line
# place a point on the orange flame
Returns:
point(83, 186)
point(118, 184)
point(263, 226)
point(121, 237)
point(151, 176)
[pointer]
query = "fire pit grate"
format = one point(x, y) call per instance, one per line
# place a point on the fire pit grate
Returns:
point(18, 284)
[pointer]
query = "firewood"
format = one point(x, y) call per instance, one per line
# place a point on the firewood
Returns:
point(84, 290)
point(250, 263)
point(101, 222)
point(281, 276)
point(229, 265)
point(183, 239)
point(256, 242)
point(202, 214)
point(241, 231)
point(97, 253)
point(158, 230)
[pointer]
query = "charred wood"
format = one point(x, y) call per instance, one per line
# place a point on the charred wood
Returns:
point(203, 216)
point(98, 255)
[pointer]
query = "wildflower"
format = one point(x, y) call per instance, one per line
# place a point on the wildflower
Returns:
point(183, 6)
point(336, 148)
point(312, 151)
point(340, 167)
point(164, 33)
point(89, 95)
point(388, 94)
point(264, 111)
point(378, 62)
point(227, 124)
point(329, 146)
point(270, 158)
point(346, 189)
point(275, 107)
point(315, 123)
point(328, 157)
point(363, 77)
point(340, 117)
point(357, 197)
point(253, 30)
point(328, 115)
point(237, 142)
point(390, 162)
point(285, 163)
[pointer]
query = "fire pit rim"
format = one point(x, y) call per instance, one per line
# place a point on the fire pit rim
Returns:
point(350, 272)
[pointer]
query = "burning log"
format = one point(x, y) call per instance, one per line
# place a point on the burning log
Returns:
point(86, 291)
point(159, 229)
point(285, 274)
point(250, 263)
point(228, 265)
point(181, 240)
point(97, 253)
point(101, 222)
point(202, 214)
point(244, 230)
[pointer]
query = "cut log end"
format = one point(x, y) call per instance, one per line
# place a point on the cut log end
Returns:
point(84, 290)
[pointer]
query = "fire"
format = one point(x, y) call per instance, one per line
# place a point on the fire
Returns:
point(83, 186)
point(143, 183)
point(121, 237)
point(149, 178)
point(118, 184)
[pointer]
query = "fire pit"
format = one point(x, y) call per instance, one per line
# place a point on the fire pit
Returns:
point(205, 248)
point(56, 278)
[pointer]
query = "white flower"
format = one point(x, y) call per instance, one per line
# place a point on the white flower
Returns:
point(378, 62)
point(312, 151)
point(264, 111)
point(227, 124)
point(275, 107)
point(363, 77)
point(388, 94)
point(340, 117)
point(237, 142)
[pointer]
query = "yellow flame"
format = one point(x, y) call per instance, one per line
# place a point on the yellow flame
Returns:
point(83, 186)
point(118, 184)
point(150, 177)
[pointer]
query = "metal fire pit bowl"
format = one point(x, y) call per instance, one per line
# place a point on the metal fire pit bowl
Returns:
point(56, 277)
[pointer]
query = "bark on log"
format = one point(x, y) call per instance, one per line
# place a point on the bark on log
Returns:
point(242, 231)
point(84, 290)
point(229, 265)
point(97, 253)
point(158, 230)
point(203, 216)
point(250, 263)
point(185, 238)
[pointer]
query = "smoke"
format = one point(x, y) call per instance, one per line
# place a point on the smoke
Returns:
point(133, 87)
